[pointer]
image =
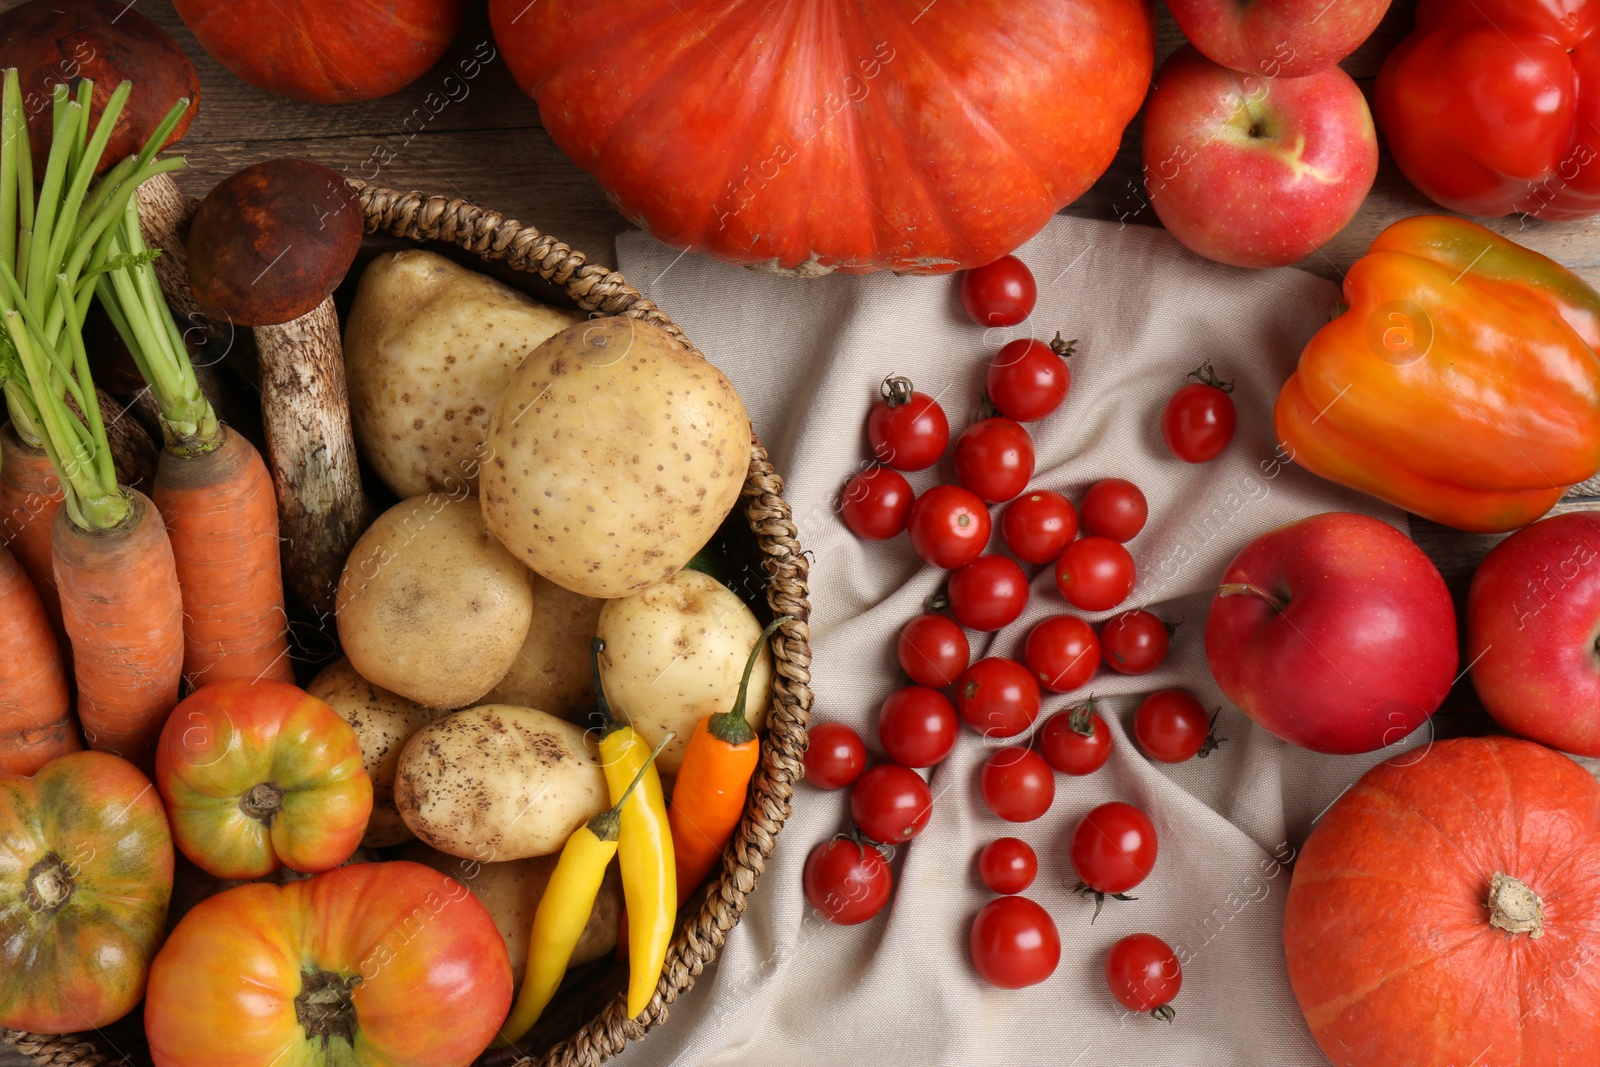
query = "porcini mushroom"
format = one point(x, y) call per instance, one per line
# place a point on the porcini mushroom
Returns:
point(266, 248)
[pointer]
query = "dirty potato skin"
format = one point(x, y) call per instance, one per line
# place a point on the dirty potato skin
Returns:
point(428, 346)
point(613, 456)
point(430, 606)
point(498, 782)
point(675, 653)
point(551, 671)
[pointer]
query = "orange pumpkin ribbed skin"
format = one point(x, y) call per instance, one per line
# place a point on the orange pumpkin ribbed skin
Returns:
point(1390, 950)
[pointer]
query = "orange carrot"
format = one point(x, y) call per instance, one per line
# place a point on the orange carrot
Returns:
point(36, 723)
point(30, 495)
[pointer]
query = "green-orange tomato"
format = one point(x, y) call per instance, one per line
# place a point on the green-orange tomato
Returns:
point(371, 965)
point(260, 775)
point(85, 877)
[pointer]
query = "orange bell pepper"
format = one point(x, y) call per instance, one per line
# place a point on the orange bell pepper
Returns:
point(1461, 384)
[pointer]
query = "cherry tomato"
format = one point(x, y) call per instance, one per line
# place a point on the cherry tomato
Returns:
point(835, 757)
point(1001, 293)
point(1134, 642)
point(997, 697)
point(1114, 508)
point(1199, 420)
point(1014, 943)
point(994, 459)
point(1144, 975)
point(988, 593)
point(1017, 784)
point(877, 504)
point(1171, 725)
point(933, 650)
point(1008, 865)
point(917, 726)
point(907, 429)
point(1038, 525)
point(890, 803)
point(1062, 652)
point(949, 526)
point(847, 881)
point(1076, 741)
point(1113, 850)
point(1029, 379)
point(1095, 573)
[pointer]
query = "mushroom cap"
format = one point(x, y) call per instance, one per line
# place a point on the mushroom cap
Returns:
point(55, 41)
point(273, 241)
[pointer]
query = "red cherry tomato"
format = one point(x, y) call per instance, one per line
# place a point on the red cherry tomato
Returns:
point(1114, 508)
point(1017, 784)
point(1199, 420)
point(1029, 379)
point(1076, 741)
point(835, 757)
point(933, 650)
point(917, 726)
point(994, 459)
point(1171, 725)
point(1144, 975)
point(988, 593)
point(847, 881)
point(890, 803)
point(1001, 293)
point(1113, 850)
point(1095, 573)
point(1008, 865)
point(907, 429)
point(949, 526)
point(877, 504)
point(1062, 652)
point(997, 697)
point(1038, 525)
point(1014, 943)
point(1134, 642)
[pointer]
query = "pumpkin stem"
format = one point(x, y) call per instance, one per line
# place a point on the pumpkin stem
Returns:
point(325, 1007)
point(1515, 908)
point(49, 884)
point(263, 801)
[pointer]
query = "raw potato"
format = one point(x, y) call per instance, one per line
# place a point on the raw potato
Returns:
point(428, 347)
point(613, 455)
point(499, 782)
point(552, 671)
point(383, 722)
point(430, 606)
point(675, 653)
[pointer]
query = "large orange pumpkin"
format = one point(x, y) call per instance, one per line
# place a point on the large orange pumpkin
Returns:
point(1446, 912)
point(856, 135)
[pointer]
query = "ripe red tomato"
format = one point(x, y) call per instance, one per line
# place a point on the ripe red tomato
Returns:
point(1008, 865)
point(1114, 508)
point(949, 526)
point(907, 429)
point(846, 880)
point(1062, 652)
point(1113, 849)
point(1199, 420)
point(1036, 527)
point(997, 697)
point(933, 650)
point(890, 803)
point(1014, 943)
point(1095, 573)
point(1001, 293)
point(1171, 725)
point(1017, 784)
point(1076, 741)
point(876, 504)
point(1144, 975)
point(1134, 642)
point(1029, 379)
point(994, 459)
point(835, 757)
point(917, 726)
point(988, 593)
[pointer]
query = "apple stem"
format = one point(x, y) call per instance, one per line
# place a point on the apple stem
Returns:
point(1246, 589)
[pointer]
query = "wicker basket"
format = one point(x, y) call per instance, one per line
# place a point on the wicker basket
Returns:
point(767, 538)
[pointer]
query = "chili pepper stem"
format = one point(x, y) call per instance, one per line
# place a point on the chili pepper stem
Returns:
point(607, 826)
point(733, 726)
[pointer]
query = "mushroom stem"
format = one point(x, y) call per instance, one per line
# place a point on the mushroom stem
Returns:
point(164, 214)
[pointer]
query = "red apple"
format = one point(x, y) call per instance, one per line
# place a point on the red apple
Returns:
point(1255, 171)
point(1533, 632)
point(1278, 38)
point(1335, 633)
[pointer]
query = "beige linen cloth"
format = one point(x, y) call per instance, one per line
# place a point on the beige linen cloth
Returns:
point(808, 357)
